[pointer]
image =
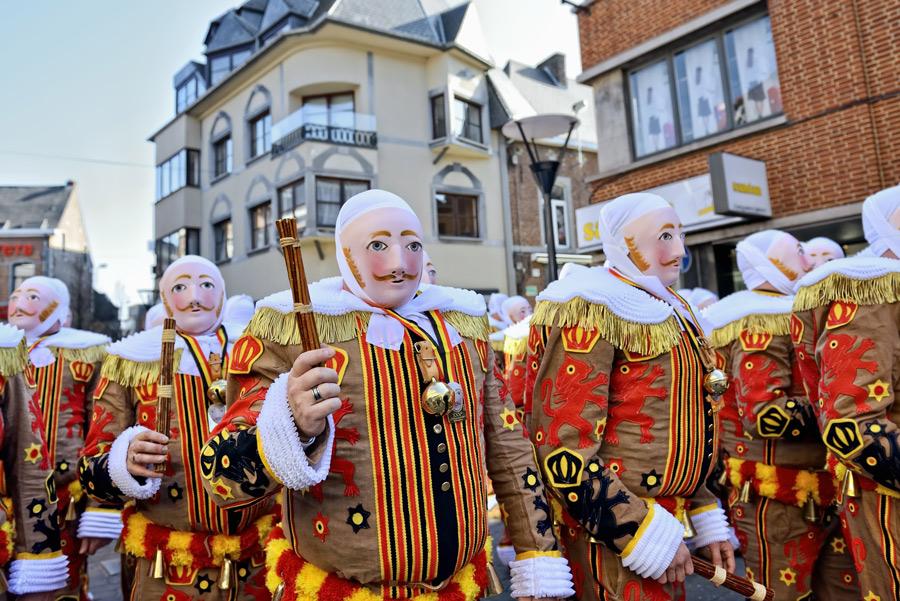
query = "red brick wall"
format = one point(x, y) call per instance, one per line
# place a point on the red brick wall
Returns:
point(841, 142)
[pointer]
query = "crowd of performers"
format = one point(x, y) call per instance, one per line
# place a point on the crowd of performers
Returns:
point(623, 427)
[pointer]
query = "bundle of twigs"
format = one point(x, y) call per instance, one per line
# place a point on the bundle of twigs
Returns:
point(293, 263)
point(165, 389)
point(718, 576)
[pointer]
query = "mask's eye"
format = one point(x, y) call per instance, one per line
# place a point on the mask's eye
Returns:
point(414, 246)
point(34, 297)
point(178, 288)
point(665, 236)
point(207, 285)
point(377, 245)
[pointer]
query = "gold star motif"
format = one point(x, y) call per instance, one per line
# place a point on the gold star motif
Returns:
point(599, 429)
point(220, 488)
point(838, 545)
point(878, 390)
point(509, 419)
point(871, 597)
point(33, 453)
point(788, 576)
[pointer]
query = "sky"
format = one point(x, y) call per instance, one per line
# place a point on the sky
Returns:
point(83, 84)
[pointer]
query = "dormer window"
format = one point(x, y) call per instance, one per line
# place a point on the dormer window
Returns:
point(187, 93)
point(223, 64)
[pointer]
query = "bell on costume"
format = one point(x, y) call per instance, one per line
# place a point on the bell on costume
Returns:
point(849, 488)
point(723, 477)
point(810, 514)
point(438, 398)
point(494, 586)
point(216, 392)
point(716, 382)
point(159, 565)
point(745, 493)
point(279, 592)
point(71, 513)
point(226, 574)
point(689, 531)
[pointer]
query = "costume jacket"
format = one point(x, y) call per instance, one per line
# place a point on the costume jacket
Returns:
point(622, 426)
point(30, 546)
point(515, 348)
point(390, 501)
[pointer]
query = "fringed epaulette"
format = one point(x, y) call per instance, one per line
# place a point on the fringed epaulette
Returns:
point(776, 325)
point(130, 373)
point(276, 326)
point(469, 326)
point(91, 354)
point(515, 346)
point(13, 359)
point(632, 336)
point(862, 280)
point(752, 311)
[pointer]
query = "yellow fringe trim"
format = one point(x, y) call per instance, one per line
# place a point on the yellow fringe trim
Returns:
point(474, 328)
point(13, 360)
point(638, 338)
point(515, 346)
point(877, 291)
point(777, 325)
point(130, 373)
point(497, 345)
point(91, 354)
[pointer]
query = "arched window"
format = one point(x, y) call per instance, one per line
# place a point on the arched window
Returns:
point(258, 119)
point(221, 148)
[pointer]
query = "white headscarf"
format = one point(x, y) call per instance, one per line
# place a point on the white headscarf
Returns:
point(238, 309)
point(154, 316)
point(176, 266)
point(571, 269)
point(353, 209)
point(53, 290)
point(754, 263)
point(822, 244)
point(614, 218)
point(876, 211)
point(511, 304)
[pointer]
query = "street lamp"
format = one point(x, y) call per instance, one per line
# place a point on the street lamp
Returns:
point(537, 127)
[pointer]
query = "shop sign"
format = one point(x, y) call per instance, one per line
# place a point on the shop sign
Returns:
point(739, 185)
point(16, 249)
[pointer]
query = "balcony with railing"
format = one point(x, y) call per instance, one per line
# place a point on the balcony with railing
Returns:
point(310, 125)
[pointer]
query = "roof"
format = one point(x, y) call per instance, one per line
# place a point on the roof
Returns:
point(31, 206)
point(229, 30)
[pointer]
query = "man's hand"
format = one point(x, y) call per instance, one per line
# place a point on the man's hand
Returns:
point(147, 448)
point(680, 568)
point(310, 411)
point(721, 554)
point(91, 544)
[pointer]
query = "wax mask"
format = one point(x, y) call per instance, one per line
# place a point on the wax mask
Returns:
point(384, 252)
point(517, 309)
point(787, 254)
point(29, 306)
point(193, 295)
point(656, 244)
point(430, 274)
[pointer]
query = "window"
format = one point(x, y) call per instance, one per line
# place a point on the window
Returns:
point(260, 220)
point(180, 170)
point(336, 110)
point(187, 93)
point(457, 215)
point(559, 204)
point(438, 117)
point(222, 156)
point(292, 203)
point(694, 93)
point(20, 273)
point(261, 134)
point(184, 241)
point(331, 193)
point(219, 67)
point(467, 120)
point(223, 236)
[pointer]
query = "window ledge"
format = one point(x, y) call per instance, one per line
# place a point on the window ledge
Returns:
point(259, 251)
point(223, 261)
point(219, 178)
point(734, 134)
point(459, 239)
point(252, 160)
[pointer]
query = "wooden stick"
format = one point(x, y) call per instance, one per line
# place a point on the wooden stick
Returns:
point(165, 389)
point(293, 262)
point(718, 576)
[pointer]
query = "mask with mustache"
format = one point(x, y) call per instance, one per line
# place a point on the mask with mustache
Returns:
point(193, 293)
point(39, 306)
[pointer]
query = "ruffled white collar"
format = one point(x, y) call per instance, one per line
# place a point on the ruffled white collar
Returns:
point(745, 303)
point(10, 336)
point(856, 268)
point(65, 338)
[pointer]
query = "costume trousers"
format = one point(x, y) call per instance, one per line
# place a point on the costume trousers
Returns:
point(873, 534)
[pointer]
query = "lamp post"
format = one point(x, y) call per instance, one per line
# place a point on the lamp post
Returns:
point(527, 130)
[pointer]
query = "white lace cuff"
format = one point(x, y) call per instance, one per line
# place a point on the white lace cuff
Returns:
point(100, 523)
point(654, 545)
point(38, 575)
point(711, 526)
point(118, 467)
point(541, 576)
point(280, 445)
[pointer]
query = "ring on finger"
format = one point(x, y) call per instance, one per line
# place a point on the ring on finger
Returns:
point(316, 395)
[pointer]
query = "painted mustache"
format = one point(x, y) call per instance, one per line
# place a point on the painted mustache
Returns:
point(19, 312)
point(672, 263)
point(390, 277)
point(195, 304)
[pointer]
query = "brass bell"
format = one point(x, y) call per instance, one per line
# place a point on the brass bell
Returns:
point(438, 398)
point(120, 546)
point(809, 511)
point(745, 493)
point(226, 574)
point(689, 531)
point(279, 592)
point(849, 485)
point(159, 565)
point(71, 512)
point(716, 382)
point(723, 477)
point(494, 586)
point(216, 392)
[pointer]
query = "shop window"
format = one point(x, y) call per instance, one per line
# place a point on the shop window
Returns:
point(457, 215)
point(331, 194)
point(223, 237)
point(260, 220)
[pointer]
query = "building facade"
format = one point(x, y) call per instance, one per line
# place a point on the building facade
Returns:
point(810, 89)
point(302, 104)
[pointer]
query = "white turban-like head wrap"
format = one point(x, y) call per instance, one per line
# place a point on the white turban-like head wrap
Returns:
point(756, 267)
point(55, 291)
point(822, 244)
point(876, 214)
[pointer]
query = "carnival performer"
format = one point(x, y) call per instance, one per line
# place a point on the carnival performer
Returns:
point(379, 440)
point(781, 496)
point(31, 556)
point(820, 250)
point(186, 546)
point(846, 331)
point(624, 430)
point(496, 318)
point(515, 309)
point(154, 316)
point(64, 365)
point(430, 276)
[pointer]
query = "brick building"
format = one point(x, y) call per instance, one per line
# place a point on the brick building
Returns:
point(810, 88)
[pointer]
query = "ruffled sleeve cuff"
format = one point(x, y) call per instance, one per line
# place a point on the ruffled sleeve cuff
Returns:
point(710, 524)
point(653, 546)
point(118, 467)
point(280, 447)
point(38, 575)
point(541, 575)
point(100, 523)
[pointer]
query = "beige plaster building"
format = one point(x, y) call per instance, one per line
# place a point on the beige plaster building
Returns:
point(302, 104)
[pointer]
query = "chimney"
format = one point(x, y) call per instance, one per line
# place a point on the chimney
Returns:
point(555, 67)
